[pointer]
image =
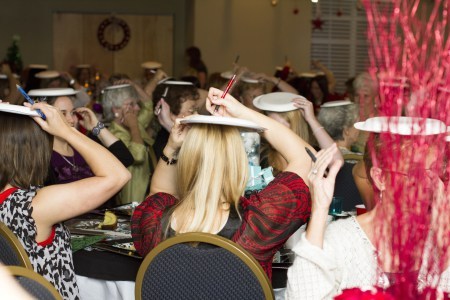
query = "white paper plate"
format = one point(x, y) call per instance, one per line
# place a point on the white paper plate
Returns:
point(47, 74)
point(249, 80)
point(278, 102)
point(18, 109)
point(177, 82)
point(151, 65)
point(118, 86)
point(201, 119)
point(51, 92)
point(402, 125)
point(227, 74)
point(337, 103)
point(37, 66)
point(83, 66)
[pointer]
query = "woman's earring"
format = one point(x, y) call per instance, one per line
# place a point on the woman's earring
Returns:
point(116, 115)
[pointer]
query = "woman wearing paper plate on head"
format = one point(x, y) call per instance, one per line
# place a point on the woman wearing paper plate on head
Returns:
point(398, 244)
point(130, 115)
point(294, 112)
point(205, 166)
point(35, 213)
point(67, 165)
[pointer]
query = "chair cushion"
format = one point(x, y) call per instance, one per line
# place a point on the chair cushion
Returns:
point(184, 272)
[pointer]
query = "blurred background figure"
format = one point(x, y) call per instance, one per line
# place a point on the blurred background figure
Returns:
point(195, 65)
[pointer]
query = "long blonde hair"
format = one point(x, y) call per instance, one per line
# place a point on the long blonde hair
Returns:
point(298, 125)
point(212, 173)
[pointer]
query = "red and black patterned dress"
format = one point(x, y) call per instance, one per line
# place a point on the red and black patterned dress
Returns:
point(269, 218)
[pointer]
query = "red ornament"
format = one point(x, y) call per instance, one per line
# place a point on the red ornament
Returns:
point(295, 11)
point(317, 23)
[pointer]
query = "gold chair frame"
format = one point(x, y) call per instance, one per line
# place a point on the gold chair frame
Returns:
point(16, 245)
point(199, 237)
point(30, 274)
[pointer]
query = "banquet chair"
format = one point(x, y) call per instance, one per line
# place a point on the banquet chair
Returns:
point(201, 266)
point(35, 284)
point(12, 252)
point(345, 187)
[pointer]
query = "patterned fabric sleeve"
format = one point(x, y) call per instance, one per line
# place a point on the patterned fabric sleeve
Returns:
point(146, 227)
point(272, 216)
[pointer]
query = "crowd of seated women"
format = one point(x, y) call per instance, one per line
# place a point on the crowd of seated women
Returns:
point(192, 178)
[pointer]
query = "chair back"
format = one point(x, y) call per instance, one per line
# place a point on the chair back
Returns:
point(12, 252)
point(36, 285)
point(345, 187)
point(201, 266)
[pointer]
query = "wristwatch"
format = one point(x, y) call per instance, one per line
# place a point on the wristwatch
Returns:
point(71, 82)
point(97, 128)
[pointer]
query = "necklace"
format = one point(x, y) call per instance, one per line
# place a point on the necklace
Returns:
point(73, 165)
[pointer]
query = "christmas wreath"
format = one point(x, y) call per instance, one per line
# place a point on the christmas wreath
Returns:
point(115, 22)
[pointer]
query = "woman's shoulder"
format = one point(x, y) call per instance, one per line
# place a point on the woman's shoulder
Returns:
point(156, 203)
point(347, 233)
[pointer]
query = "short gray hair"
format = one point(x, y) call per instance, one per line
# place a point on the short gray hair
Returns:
point(365, 81)
point(115, 98)
point(337, 118)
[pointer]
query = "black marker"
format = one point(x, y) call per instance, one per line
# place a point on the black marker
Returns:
point(313, 157)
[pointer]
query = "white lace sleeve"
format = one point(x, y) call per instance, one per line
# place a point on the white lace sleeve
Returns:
point(314, 274)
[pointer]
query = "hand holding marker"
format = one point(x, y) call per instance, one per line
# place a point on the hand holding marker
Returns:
point(25, 95)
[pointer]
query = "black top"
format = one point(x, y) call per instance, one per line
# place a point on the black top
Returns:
point(160, 142)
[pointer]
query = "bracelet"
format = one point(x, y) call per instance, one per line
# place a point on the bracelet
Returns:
point(317, 129)
point(96, 130)
point(168, 161)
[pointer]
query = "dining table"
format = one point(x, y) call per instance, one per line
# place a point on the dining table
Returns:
point(106, 264)
point(105, 261)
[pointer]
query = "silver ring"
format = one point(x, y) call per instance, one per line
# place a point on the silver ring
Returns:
point(314, 171)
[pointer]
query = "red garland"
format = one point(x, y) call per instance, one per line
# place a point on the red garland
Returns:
point(101, 34)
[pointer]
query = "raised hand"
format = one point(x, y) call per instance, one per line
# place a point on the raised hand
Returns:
point(228, 107)
point(55, 122)
point(89, 119)
point(321, 186)
point(306, 108)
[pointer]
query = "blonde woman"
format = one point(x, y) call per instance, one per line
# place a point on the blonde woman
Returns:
point(296, 113)
point(202, 189)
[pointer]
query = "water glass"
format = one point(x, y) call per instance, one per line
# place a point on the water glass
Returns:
point(336, 205)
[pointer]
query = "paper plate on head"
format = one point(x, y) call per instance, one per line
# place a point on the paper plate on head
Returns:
point(249, 79)
point(226, 121)
point(337, 103)
point(47, 74)
point(52, 92)
point(114, 87)
point(38, 66)
point(151, 65)
point(83, 66)
point(278, 101)
point(227, 74)
point(402, 125)
point(307, 75)
point(18, 109)
point(177, 82)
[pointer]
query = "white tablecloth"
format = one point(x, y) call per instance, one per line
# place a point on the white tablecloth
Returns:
point(97, 289)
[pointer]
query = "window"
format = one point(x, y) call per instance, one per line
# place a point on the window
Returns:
point(341, 44)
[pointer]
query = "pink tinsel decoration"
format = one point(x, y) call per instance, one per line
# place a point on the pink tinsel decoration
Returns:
point(410, 61)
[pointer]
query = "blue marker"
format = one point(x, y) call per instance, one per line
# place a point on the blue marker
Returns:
point(25, 95)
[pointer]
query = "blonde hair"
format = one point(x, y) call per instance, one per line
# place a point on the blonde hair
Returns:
point(301, 128)
point(212, 173)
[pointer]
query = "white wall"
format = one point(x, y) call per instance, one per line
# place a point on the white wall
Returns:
point(260, 33)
